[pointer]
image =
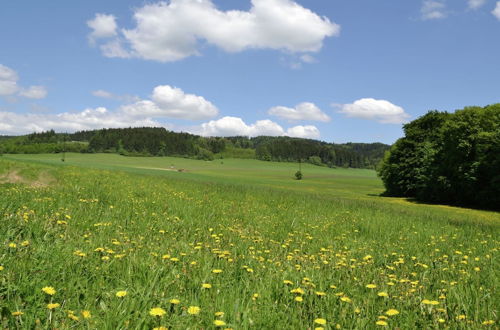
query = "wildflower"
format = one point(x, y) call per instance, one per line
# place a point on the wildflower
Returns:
point(219, 323)
point(345, 299)
point(392, 312)
point(430, 302)
point(53, 306)
point(86, 314)
point(17, 313)
point(217, 271)
point(287, 282)
point(381, 323)
point(194, 310)
point(299, 299)
point(461, 317)
point(320, 293)
point(255, 296)
point(219, 314)
point(49, 290)
point(441, 321)
point(489, 322)
point(25, 243)
point(121, 294)
point(174, 301)
point(157, 311)
point(298, 290)
point(160, 328)
point(371, 286)
point(320, 321)
point(383, 294)
point(12, 245)
point(73, 316)
point(206, 286)
point(1, 268)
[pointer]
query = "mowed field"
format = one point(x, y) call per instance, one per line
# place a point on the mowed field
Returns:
point(103, 241)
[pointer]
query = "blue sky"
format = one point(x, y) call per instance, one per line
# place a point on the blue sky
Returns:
point(332, 70)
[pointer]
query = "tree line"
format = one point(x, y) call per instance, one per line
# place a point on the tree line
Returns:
point(449, 158)
point(156, 141)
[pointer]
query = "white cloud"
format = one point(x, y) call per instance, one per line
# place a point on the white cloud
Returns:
point(34, 92)
point(13, 123)
point(433, 9)
point(302, 111)
point(234, 126)
point(172, 102)
point(475, 4)
point(8, 81)
point(306, 132)
point(103, 26)
point(496, 11)
point(9, 86)
point(170, 31)
point(379, 110)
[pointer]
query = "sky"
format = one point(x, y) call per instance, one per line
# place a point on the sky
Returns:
point(335, 70)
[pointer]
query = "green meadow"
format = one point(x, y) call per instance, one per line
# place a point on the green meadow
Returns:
point(103, 241)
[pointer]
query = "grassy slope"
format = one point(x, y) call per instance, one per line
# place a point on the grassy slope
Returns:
point(297, 231)
point(346, 184)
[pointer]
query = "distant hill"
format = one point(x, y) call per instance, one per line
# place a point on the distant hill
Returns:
point(157, 141)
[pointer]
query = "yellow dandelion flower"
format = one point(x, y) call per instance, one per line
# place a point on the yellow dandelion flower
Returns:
point(217, 271)
point(160, 328)
point(12, 245)
point(121, 294)
point(371, 286)
point(17, 313)
point(299, 299)
point(219, 323)
point(206, 286)
point(319, 328)
point(345, 299)
point(194, 310)
point(287, 282)
point(157, 311)
point(383, 294)
point(53, 306)
point(320, 293)
point(298, 290)
point(1, 268)
point(320, 321)
point(219, 314)
point(441, 320)
point(174, 301)
point(255, 296)
point(73, 317)
point(49, 290)
point(489, 322)
point(381, 323)
point(430, 302)
point(25, 243)
point(392, 312)
point(86, 314)
point(461, 317)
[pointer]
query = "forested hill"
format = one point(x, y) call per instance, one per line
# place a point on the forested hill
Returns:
point(155, 141)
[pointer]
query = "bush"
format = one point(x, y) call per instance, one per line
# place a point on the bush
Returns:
point(298, 175)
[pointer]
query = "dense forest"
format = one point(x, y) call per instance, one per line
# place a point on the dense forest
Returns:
point(154, 141)
point(448, 158)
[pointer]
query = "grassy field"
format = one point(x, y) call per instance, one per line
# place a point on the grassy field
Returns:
point(108, 242)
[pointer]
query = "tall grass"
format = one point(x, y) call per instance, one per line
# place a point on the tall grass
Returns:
point(269, 258)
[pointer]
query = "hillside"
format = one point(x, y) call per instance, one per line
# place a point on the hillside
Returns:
point(149, 141)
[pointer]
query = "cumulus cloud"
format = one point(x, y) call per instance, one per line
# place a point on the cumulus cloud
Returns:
point(433, 9)
point(13, 123)
point(306, 132)
point(234, 126)
point(475, 4)
point(34, 92)
point(9, 85)
point(8, 81)
point(170, 31)
point(302, 111)
point(379, 110)
point(103, 26)
point(496, 11)
point(172, 102)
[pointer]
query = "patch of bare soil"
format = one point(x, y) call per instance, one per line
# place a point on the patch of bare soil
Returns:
point(44, 179)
